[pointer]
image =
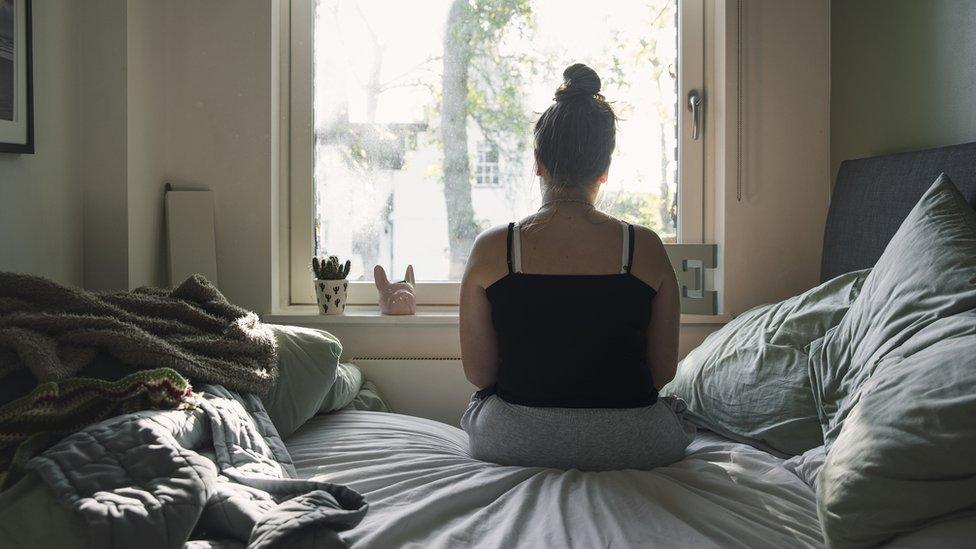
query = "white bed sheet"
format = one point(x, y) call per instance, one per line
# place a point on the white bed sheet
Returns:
point(425, 491)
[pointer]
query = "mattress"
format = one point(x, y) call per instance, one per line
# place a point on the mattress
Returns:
point(425, 491)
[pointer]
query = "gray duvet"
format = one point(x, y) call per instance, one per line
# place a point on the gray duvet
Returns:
point(218, 474)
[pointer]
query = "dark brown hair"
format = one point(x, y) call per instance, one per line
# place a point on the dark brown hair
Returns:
point(575, 137)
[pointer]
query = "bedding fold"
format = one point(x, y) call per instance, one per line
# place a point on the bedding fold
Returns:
point(216, 472)
point(749, 380)
point(425, 490)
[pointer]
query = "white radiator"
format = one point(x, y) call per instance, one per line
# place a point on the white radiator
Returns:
point(432, 388)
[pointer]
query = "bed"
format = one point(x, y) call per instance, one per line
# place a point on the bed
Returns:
point(425, 491)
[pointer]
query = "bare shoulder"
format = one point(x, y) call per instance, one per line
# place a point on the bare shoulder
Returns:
point(490, 241)
point(648, 238)
point(488, 260)
point(651, 262)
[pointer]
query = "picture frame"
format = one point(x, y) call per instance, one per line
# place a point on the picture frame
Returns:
point(16, 78)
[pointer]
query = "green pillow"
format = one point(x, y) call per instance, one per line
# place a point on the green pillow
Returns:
point(906, 455)
point(368, 399)
point(349, 379)
point(749, 379)
point(927, 272)
point(895, 382)
point(307, 369)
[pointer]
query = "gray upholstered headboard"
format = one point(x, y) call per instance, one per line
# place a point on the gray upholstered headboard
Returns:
point(874, 195)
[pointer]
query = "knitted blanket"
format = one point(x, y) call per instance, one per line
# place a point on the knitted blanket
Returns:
point(55, 331)
point(32, 423)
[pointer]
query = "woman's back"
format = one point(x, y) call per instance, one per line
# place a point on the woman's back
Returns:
point(569, 318)
point(569, 237)
point(572, 330)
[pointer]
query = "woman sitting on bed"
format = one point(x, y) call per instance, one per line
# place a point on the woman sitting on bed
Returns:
point(569, 317)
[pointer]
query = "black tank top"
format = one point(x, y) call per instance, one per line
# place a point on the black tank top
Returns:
point(572, 341)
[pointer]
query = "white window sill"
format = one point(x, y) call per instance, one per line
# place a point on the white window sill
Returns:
point(426, 316)
point(365, 314)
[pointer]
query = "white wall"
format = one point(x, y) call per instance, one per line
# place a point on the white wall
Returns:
point(219, 130)
point(101, 142)
point(146, 62)
point(200, 114)
point(181, 92)
point(40, 195)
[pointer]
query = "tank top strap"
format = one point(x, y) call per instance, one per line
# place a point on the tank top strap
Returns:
point(508, 246)
point(516, 248)
point(628, 248)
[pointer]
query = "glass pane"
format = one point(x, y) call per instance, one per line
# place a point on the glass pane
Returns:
point(424, 113)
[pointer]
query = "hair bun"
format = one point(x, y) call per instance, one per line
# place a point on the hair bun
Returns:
point(578, 81)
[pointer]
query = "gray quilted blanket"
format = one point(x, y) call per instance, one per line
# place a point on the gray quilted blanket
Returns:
point(217, 475)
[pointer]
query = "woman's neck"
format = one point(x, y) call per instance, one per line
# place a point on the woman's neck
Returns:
point(552, 196)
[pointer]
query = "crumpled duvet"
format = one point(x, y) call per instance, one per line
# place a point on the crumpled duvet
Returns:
point(218, 475)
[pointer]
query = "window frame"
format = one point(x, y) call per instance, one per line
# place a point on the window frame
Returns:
point(298, 222)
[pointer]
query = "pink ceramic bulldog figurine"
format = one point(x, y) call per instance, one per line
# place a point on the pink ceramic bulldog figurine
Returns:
point(396, 298)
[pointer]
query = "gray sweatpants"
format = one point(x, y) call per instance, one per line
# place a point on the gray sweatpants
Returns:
point(588, 439)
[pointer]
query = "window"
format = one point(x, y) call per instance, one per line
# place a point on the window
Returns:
point(486, 166)
point(421, 124)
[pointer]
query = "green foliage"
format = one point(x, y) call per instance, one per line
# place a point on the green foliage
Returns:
point(629, 55)
point(491, 18)
point(495, 80)
point(330, 268)
point(640, 208)
point(496, 83)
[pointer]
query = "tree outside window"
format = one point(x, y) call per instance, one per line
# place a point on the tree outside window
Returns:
point(424, 112)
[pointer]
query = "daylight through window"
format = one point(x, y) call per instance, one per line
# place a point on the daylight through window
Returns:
point(423, 115)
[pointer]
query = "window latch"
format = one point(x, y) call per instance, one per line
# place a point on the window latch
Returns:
point(695, 106)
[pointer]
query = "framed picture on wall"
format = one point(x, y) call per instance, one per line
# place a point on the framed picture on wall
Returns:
point(16, 78)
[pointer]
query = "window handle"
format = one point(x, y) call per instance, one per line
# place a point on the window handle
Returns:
point(695, 106)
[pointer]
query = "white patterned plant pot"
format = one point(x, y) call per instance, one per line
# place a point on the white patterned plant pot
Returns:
point(331, 295)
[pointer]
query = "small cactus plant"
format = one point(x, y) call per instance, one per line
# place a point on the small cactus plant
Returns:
point(330, 269)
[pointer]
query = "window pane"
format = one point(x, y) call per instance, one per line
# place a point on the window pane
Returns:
point(424, 113)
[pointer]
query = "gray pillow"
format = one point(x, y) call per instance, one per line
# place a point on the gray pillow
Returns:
point(895, 381)
point(368, 399)
point(906, 454)
point(927, 272)
point(749, 380)
point(307, 368)
point(349, 380)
